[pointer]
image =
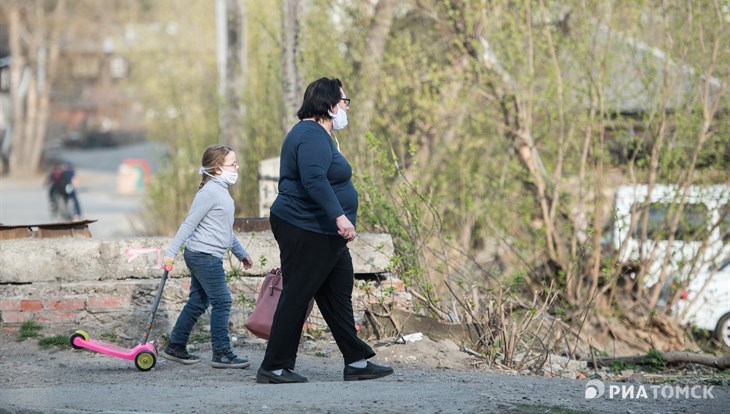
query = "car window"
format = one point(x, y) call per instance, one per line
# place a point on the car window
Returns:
point(693, 222)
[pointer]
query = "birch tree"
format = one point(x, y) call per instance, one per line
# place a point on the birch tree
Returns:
point(34, 30)
point(291, 65)
point(233, 108)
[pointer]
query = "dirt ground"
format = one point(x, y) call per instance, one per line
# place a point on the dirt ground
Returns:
point(431, 377)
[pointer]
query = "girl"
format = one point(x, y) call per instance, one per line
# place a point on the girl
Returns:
point(208, 233)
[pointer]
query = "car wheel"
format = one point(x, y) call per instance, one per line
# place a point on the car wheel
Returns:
point(722, 330)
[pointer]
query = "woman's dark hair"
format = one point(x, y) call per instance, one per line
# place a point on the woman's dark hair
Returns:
point(213, 157)
point(320, 96)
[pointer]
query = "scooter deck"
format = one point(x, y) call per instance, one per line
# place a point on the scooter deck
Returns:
point(113, 349)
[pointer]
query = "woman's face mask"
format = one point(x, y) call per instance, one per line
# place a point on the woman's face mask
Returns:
point(339, 119)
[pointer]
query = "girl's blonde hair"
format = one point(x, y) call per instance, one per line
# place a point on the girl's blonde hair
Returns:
point(213, 157)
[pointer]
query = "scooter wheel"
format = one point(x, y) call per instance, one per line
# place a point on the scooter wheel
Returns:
point(145, 360)
point(78, 334)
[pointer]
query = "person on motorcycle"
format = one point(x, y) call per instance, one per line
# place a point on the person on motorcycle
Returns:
point(62, 180)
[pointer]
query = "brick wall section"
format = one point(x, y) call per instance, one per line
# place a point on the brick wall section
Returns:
point(9, 305)
point(63, 304)
point(58, 318)
point(16, 317)
point(108, 285)
point(30, 305)
point(123, 306)
point(107, 303)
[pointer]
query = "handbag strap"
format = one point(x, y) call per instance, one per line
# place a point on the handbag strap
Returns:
point(273, 283)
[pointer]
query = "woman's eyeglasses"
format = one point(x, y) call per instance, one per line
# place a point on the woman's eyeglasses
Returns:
point(347, 101)
point(235, 164)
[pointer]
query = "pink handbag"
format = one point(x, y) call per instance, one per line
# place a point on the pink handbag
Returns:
point(260, 320)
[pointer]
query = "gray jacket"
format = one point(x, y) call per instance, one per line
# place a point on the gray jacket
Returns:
point(208, 228)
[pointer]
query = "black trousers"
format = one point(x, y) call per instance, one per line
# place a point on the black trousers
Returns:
point(315, 266)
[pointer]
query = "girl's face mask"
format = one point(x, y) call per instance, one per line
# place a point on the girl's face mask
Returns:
point(229, 177)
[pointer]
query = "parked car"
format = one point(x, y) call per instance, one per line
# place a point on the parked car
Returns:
point(698, 254)
point(711, 309)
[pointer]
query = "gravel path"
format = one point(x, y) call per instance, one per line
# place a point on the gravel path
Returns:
point(429, 378)
point(34, 380)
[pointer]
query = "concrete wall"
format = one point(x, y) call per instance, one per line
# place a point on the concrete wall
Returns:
point(108, 285)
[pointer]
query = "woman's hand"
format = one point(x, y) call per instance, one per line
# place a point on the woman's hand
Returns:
point(345, 228)
point(247, 262)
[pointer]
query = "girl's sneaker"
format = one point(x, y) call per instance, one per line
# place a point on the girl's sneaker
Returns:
point(179, 353)
point(227, 359)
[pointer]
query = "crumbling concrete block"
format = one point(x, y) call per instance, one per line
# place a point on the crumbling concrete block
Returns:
point(108, 285)
point(77, 259)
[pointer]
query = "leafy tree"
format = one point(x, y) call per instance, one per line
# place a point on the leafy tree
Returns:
point(499, 120)
point(486, 137)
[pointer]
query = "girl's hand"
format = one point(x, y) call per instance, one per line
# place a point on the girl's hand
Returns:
point(247, 262)
point(167, 263)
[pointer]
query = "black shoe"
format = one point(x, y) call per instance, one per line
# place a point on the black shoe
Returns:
point(286, 377)
point(179, 353)
point(227, 359)
point(371, 371)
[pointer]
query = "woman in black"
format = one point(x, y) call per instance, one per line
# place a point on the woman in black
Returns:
point(313, 218)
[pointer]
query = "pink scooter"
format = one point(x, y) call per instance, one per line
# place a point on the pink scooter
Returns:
point(144, 354)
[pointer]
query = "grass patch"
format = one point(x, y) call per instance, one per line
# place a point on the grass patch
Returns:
point(29, 329)
point(56, 341)
point(109, 337)
point(200, 337)
point(315, 333)
point(618, 366)
point(655, 359)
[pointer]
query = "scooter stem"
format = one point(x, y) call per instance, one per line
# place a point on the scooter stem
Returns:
point(155, 304)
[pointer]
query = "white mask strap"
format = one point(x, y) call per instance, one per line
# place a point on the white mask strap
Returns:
point(202, 171)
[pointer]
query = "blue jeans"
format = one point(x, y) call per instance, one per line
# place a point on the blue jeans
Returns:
point(207, 287)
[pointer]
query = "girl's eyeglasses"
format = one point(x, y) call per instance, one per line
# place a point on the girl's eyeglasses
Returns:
point(235, 164)
point(347, 101)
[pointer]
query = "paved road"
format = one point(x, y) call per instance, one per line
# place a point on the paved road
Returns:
point(25, 200)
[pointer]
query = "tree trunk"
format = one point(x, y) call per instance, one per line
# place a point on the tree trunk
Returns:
point(234, 111)
point(370, 69)
point(434, 149)
point(722, 362)
point(32, 69)
point(290, 76)
point(44, 87)
point(518, 133)
point(17, 95)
